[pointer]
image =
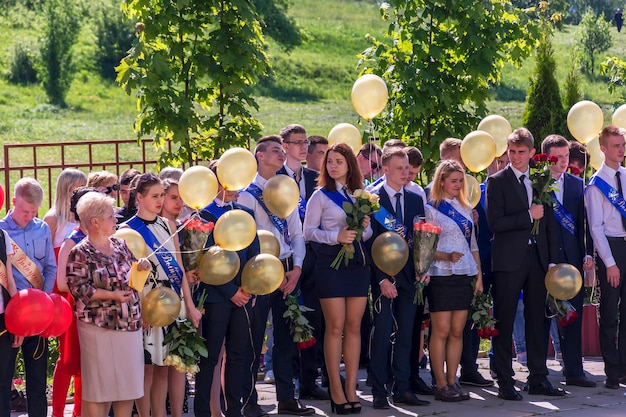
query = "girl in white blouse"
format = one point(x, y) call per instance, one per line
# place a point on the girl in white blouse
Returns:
point(456, 264)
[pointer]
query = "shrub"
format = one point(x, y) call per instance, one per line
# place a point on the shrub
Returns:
point(22, 69)
point(114, 37)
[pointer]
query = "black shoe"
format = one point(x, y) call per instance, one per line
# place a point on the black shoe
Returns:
point(464, 395)
point(408, 398)
point(611, 383)
point(316, 393)
point(294, 408)
point(343, 408)
point(18, 401)
point(253, 410)
point(356, 407)
point(509, 393)
point(418, 386)
point(580, 381)
point(545, 388)
point(475, 379)
point(380, 402)
point(448, 394)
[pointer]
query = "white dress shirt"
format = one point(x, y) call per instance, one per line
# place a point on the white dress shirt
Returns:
point(324, 219)
point(392, 197)
point(263, 222)
point(604, 219)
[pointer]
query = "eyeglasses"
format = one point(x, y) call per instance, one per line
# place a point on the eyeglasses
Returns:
point(112, 188)
point(299, 142)
point(147, 176)
point(374, 166)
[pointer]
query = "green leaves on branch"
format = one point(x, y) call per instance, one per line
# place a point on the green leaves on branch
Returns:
point(192, 67)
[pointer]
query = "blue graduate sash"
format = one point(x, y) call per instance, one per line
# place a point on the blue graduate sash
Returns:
point(390, 222)
point(483, 195)
point(216, 210)
point(336, 197)
point(76, 235)
point(301, 208)
point(562, 216)
point(167, 260)
point(463, 222)
point(281, 224)
point(610, 193)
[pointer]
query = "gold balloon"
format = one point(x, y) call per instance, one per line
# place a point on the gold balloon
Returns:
point(134, 241)
point(218, 266)
point(499, 128)
point(563, 281)
point(478, 150)
point(236, 168)
point(472, 190)
point(281, 195)
point(584, 120)
point(390, 253)
point(262, 274)
point(234, 230)
point(160, 307)
point(346, 133)
point(197, 187)
point(596, 156)
point(369, 96)
point(269, 243)
point(619, 117)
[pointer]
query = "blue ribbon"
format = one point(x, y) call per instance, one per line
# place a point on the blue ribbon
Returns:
point(301, 207)
point(610, 193)
point(336, 197)
point(216, 210)
point(390, 222)
point(563, 216)
point(76, 235)
point(281, 224)
point(167, 260)
point(463, 222)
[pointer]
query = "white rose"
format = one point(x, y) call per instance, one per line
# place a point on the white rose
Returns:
point(357, 193)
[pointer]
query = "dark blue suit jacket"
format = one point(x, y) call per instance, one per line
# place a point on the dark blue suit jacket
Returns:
point(413, 206)
point(224, 292)
point(310, 180)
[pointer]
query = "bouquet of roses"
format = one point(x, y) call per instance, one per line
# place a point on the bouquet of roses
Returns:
point(543, 183)
point(563, 310)
point(366, 204)
point(481, 305)
point(186, 344)
point(193, 236)
point(425, 238)
point(299, 325)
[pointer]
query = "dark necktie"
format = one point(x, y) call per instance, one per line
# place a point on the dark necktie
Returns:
point(295, 177)
point(399, 208)
point(618, 180)
point(345, 192)
point(521, 181)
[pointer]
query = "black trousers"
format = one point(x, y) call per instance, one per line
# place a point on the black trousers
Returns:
point(225, 322)
point(613, 313)
point(529, 278)
point(7, 368)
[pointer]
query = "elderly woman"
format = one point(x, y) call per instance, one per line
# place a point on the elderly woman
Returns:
point(107, 310)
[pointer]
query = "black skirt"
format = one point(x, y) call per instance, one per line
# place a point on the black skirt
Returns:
point(450, 293)
point(352, 280)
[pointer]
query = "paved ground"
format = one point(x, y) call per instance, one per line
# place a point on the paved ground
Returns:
point(580, 402)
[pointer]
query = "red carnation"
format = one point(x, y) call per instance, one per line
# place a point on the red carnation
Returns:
point(495, 332)
point(480, 333)
point(554, 159)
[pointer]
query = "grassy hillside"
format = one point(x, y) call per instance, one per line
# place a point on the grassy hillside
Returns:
point(311, 85)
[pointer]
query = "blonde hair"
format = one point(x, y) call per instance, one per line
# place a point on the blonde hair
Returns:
point(29, 190)
point(100, 178)
point(446, 168)
point(68, 179)
point(92, 206)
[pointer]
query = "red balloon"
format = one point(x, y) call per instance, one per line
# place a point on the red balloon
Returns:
point(29, 313)
point(62, 317)
point(1, 196)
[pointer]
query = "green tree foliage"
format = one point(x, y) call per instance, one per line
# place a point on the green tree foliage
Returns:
point(192, 68)
point(61, 27)
point(594, 36)
point(544, 114)
point(277, 25)
point(114, 36)
point(615, 69)
point(439, 59)
point(573, 93)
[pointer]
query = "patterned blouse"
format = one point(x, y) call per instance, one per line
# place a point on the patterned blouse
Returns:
point(89, 269)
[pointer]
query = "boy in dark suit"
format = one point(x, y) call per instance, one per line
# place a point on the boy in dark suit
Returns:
point(569, 204)
point(394, 295)
point(520, 261)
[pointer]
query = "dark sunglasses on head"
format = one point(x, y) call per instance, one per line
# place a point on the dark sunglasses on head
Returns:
point(114, 187)
point(374, 166)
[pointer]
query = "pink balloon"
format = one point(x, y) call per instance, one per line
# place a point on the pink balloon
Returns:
point(1, 196)
point(29, 313)
point(62, 317)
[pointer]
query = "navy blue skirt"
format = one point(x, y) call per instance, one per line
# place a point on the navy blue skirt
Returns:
point(352, 280)
point(449, 293)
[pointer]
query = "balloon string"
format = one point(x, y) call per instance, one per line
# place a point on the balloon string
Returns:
point(585, 227)
point(2, 332)
point(546, 311)
point(43, 348)
point(182, 226)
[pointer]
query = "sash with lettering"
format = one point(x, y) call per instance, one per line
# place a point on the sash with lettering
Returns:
point(610, 193)
point(391, 223)
point(281, 224)
point(463, 222)
point(25, 266)
point(301, 208)
point(336, 197)
point(563, 216)
point(166, 259)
